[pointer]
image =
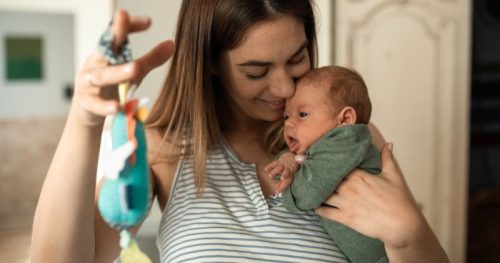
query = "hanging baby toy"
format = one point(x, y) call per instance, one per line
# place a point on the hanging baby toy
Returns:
point(125, 195)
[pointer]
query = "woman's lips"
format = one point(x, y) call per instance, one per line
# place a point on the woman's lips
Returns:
point(274, 105)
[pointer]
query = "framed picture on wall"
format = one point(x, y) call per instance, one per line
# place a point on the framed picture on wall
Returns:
point(23, 57)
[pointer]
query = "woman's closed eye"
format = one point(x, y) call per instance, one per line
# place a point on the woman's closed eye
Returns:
point(256, 75)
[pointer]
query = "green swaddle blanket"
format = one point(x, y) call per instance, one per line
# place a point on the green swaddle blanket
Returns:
point(328, 161)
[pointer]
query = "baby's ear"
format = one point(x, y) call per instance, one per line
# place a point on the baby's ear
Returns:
point(347, 116)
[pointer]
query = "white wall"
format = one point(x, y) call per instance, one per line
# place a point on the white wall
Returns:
point(91, 17)
point(62, 55)
point(164, 19)
point(324, 24)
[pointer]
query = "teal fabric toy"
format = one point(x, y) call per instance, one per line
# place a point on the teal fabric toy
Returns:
point(125, 195)
point(124, 202)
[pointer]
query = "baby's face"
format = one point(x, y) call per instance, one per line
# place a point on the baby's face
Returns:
point(308, 116)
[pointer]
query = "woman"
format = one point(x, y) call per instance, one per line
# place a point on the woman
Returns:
point(235, 64)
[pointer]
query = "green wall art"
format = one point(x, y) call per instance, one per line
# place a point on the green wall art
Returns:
point(24, 58)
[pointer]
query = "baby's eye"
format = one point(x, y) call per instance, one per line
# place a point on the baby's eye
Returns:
point(303, 114)
point(285, 117)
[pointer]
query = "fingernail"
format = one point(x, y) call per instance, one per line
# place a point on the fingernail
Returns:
point(145, 19)
point(390, 146)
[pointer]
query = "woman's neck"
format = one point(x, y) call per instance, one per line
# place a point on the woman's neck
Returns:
point(245, 128)
point(247, 143)
point(246, 133)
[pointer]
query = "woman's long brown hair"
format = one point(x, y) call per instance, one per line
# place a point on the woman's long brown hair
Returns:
point(191, 110)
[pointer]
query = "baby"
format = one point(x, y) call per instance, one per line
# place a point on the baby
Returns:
point(327, 134)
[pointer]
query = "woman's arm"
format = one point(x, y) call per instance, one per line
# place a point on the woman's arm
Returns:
point(63, 228)
point(66, 227)
point(383, 207)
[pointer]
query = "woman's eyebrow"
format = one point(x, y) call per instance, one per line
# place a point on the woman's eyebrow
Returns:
point(265, 63)
point(255, 63)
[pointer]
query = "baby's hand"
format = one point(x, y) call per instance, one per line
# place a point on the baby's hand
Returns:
point(285, 167)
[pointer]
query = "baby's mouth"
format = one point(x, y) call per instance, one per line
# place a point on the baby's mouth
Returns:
point(293, 144)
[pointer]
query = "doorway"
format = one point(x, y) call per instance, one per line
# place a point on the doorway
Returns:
point(484, 172)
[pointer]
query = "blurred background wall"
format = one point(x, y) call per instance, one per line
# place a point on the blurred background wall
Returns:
point(33, 103)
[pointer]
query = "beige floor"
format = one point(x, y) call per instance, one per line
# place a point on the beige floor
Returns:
point(15, 238)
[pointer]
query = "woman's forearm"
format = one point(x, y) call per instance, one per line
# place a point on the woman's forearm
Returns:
point(63, 228)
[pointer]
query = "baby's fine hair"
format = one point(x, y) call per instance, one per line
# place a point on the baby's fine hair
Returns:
point(347, 88)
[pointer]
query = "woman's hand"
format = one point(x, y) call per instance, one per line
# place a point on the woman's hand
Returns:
point(383, 207)
point(95, 85)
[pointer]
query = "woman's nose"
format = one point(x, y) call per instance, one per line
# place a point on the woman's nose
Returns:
point(283, 85)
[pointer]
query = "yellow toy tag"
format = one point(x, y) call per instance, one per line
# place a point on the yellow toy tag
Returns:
point(132, 254)
point(122, 93)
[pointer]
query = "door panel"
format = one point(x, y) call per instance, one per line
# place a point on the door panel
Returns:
point(414, 58)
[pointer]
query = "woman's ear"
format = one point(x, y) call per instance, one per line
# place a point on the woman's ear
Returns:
point(347, 116)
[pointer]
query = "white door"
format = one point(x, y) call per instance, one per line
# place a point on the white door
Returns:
point(414, 56)
point(36, 64)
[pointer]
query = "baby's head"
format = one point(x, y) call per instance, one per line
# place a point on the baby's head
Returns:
point(324, 99)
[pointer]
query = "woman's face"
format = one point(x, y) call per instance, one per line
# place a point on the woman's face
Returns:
point(261, 72)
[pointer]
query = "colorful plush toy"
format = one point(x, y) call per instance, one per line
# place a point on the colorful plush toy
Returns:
point(125, 195)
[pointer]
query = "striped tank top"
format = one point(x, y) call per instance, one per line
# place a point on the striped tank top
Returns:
point(233, 222)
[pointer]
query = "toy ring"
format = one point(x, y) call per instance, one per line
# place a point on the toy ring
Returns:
point(105, 46)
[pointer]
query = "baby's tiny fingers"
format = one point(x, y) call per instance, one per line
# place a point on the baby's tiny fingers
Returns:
point(277, 169)
point(283, 184)
point(270, 166)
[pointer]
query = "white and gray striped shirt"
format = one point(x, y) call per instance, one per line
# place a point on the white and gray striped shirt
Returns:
point(233, 222)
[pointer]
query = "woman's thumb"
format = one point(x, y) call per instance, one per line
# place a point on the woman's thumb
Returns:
point(389, 164)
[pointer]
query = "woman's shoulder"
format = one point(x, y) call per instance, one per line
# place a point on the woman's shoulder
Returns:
point(160, 146)
point(163, 158)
